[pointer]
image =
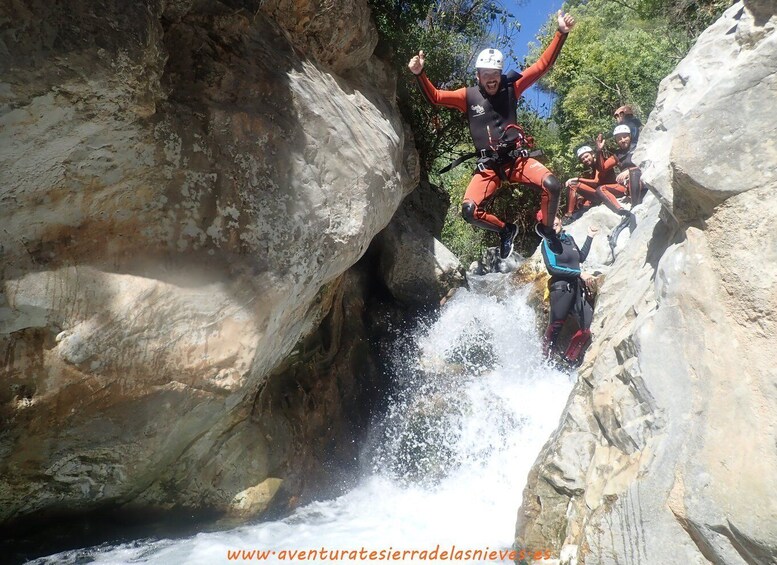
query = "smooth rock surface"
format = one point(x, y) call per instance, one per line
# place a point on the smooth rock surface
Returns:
point(181, 194)
point(665, 452)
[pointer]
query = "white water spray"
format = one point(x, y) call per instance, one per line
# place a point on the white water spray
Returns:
point(445, 467)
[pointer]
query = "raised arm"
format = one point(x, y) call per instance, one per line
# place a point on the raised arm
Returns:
point(609, 163)
point(592, 231)
point(551, 263)
point(456, 99)
point(532, 74)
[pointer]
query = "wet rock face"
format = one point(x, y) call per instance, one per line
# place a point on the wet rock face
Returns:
point(180, 191)
point(664, 450)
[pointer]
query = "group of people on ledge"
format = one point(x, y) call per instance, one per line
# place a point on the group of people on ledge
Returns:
point(604, 187)
point(502, 155)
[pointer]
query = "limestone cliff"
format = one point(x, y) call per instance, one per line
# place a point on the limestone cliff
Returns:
point(183, 186)
point(665, 452)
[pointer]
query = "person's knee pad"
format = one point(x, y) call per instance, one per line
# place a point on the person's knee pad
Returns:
point(468, 209)
point(552, 185)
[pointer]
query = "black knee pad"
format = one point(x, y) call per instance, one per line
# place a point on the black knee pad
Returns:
point(552, 185)
point(468, 211)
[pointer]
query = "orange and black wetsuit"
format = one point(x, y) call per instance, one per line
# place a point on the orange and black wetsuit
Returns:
point(488, 118)
point(567, 295)
point(601, 188)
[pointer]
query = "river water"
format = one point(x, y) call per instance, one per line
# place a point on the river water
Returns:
point(445, 466)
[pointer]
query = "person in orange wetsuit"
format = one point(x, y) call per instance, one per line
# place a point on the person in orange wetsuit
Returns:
point(603, 187)
point(491, 111)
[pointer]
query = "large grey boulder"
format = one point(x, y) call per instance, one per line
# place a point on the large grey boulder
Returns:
point(709, 135)
point(415, 266)
point(665, 452)
point(181, 194)
point(319, 30)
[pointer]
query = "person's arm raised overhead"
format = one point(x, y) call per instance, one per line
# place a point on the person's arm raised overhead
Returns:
point(455, 99)
point(592, 231)
point(532, 73)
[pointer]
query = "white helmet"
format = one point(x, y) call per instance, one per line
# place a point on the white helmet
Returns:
point(621, 129)
point(490, 59)
point(584, 149)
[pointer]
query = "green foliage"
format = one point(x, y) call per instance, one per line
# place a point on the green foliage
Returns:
point(690, 16)
point(617, 54)
point(611, 58)
point(467, 244)
point(450, 32)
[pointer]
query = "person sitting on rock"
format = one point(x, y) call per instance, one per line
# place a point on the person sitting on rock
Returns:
point(568, 285)
point(491, 111)
point(625, 115)
point(630, 175)
point(602, 187)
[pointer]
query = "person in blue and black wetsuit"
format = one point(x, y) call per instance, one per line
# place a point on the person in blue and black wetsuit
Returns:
point(567, 287)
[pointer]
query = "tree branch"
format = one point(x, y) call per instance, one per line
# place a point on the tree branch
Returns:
point(636, 10)
point(605, 85)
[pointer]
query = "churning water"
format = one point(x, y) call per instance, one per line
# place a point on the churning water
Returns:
point(444, 467)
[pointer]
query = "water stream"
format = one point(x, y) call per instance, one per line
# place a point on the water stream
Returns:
point(446, 464)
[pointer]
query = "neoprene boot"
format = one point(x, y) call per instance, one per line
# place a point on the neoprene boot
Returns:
point(506, 237)
point(549, 235)
point(577, 345)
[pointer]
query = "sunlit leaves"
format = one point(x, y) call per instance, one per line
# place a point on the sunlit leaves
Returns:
point(617, 54)
point(450, 32)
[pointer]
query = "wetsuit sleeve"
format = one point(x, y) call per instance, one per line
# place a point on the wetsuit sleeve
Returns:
point(551, 263)
point(609, 163)
point(586, 248)
point(593, 183)
point(456, 99)
point(532, 73)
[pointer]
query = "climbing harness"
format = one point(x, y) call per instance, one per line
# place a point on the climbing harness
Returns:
point(512, 144)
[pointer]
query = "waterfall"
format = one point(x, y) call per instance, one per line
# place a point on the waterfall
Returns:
point(445, 466)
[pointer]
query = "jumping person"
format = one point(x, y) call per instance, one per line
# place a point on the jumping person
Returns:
point(630, 175)
point(491, 111)
point(603, 187)
point(567, 286)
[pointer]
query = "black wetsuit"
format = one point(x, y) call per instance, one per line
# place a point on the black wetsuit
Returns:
point(625, 159)
point(567, 293)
